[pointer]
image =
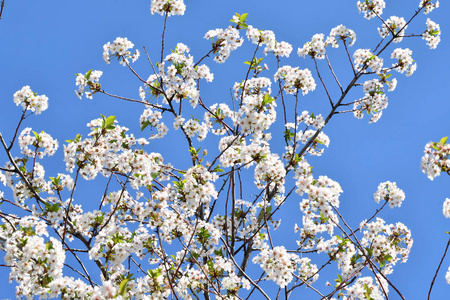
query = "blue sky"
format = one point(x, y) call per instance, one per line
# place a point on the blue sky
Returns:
point(44, 43)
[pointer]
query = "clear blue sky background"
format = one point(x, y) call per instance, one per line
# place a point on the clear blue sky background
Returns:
point(44, 43)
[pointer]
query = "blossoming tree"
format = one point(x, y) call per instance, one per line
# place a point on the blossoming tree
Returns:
point(202, 229)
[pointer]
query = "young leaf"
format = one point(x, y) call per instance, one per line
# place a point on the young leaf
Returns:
point(88, 74)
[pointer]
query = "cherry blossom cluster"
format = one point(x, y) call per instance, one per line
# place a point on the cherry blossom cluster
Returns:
point(436, 159)
point(405, 61)
point(295, 79)
point(446, 208)
point(371, 8)
point(193, 127)
point(429, 5)
point(374, 101)
point(432, 34)
point(367, 288)
point(120, 48)
point(169, 7)
point(257, 112)
point(197, 188)
point(279, 265)
point(34, 259)
point(34, 175)
point(394, 25)
point(389, 192)
point(108, 149)
point(364, 59)
point(42, 143)
point(89, 81)
point(316, 121)
point(152, 118)
point(318, 209)
point(388, 243)
point(177, 77)
point(215, 120)
point(267, 37)
point(340, 33)
point(236, 151)
point(30, 100)
point(270, 172)
point(321, 139)
point(315, 48)
point(223, 42)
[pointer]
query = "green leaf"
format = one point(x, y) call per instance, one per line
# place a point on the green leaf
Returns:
point(339, 279)
point(52, 207)
point(434, 32)
point(88, 74)
point(243, 17)
point(144, 125)
point(36, 135)
point(55, 181)
point(123, 289)
point(267, 99)
point(443, 140)
point(218, 169)
point(110, 120)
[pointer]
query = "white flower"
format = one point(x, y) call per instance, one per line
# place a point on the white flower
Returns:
point(432, 34)
point(340, 33)
point(120, 48)
point(371, 8)
point(171, 7)
point(395, 26)
point(389, 191)
point(315, 48)
point(30, 101)
point(446, 208)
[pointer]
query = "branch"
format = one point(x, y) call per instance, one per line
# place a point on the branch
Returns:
point(437, 270)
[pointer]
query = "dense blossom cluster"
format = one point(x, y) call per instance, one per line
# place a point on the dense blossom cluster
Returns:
point(177, 77)
point(36, 259)
point(315, 48)
point(405, 61)
point(42, 143)
point(388, 243)
point(429, 5)
point(339, 33)
point(295, 79)
point(394, 25)
point(374, 101)
point(371, 8)
point(436, 159)
point(432, 34)
point(169, 7)
point(364, 59)
point(223, 42)
point(108, 149)
point(257, 112)
point(279, 265)
point(152, 118)
point(88, 83)
point(30, 100)
point(120, 48)
point(389, 192)
point(367, 288)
